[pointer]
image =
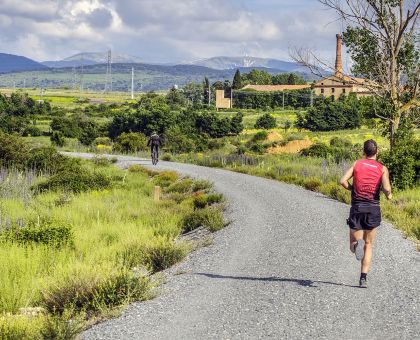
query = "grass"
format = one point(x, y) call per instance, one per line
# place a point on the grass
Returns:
point(119, 236)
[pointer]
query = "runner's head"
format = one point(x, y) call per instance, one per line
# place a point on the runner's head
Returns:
point(370, 148)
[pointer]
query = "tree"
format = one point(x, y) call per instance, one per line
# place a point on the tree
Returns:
point(237, 81)
point(206, 91)
point(175, 98)
point(382, 39)
point(291, 79)
point(258, 77)
point(266, 121)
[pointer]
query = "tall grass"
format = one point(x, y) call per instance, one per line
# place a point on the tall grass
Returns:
point(118, 236)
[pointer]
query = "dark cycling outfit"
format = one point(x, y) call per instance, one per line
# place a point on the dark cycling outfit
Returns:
point(365, 211)
point(154, 143)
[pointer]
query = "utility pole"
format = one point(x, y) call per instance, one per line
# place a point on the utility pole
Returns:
point(132, 83)
point(24, 83)
point(231, 97)
point(312, 98)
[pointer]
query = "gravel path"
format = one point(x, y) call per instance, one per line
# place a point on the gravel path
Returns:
point(280, 270)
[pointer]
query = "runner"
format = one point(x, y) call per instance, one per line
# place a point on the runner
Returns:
point(154, 142)
point(369, 176)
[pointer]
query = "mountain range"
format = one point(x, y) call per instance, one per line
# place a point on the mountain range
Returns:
point(69, 72)
point(15, 63)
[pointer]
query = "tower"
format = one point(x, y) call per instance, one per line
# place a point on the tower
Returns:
point(108, 79)
point(338, 59)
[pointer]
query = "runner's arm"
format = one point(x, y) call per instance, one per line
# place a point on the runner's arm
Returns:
point(344, 181)
point(386, 184)
point(148, 142)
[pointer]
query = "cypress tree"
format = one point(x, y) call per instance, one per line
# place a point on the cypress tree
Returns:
point(237, 81)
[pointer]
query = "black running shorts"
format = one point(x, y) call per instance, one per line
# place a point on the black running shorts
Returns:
point(364, 217)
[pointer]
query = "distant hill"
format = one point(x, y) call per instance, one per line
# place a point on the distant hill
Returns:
point(224, 63)
point(15, 63)
point(92, 58)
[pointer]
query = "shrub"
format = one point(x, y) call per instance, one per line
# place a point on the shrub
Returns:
point(340, 142)
point(13, 151)
point(101, 161)
point(135, 168)
point(92, 294)
point(317, 150)
point(66, 325)
point(163, 253)
point(47, 234)
point(403, 163)
point(130, 142)
point(182, 186)
point(200, 201)
point(200, 185)
point(75, 179)
point(167, 157)
point(33, 131)
point(257, 147)
point(165, 178)
point(260, 136)
point(47, 159)
point(312, 184)
point(102, 141)
point(266, 121)
point(57, 139)
point(210, 217)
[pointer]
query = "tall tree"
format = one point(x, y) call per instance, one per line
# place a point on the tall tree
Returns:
point(237, 80)
point(382, 38)
point(206, 91)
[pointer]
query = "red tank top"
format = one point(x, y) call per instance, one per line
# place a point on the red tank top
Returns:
point(367, 176)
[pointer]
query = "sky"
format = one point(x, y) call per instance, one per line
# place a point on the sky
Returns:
point(166, 30)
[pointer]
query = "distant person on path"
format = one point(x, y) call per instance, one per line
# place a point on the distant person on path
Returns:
point(154, 142)
point(369, 177)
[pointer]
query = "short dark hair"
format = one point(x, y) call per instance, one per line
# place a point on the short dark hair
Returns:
point(370, 148)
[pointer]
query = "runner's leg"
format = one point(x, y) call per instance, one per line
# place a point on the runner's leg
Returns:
point(368, 236)
point(354, 236)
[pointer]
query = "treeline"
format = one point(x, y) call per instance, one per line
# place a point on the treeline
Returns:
point(17, 112)
point(184, 129)
point(249, 99)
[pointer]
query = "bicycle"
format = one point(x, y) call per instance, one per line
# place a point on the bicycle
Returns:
point(155, 156)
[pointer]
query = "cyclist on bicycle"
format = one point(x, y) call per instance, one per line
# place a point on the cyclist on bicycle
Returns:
point(154, 142)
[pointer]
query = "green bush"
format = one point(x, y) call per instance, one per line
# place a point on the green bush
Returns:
point(130, 142)
point(317, 150)
point(75, 178)
point(135, 168)
point(201, 185)
point(33, 131)
point(266, 121)
point(90, 294)
point(101, 161)
point(312, 184)
point(165, 178)
point(102, 141)
point(260, 136)
point(182, 186)
point(340, 142)
point(210, 217)
point(57, 139)
point(200, 201)
point(403, 163)
point(167, 157)
point(47, 234)
point(13, 151)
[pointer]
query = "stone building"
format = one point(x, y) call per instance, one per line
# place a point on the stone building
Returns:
point(340, 84)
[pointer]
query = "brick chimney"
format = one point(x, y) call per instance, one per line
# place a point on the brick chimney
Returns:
point(338, 60)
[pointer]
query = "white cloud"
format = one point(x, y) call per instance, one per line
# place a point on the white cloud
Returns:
point(164, 30)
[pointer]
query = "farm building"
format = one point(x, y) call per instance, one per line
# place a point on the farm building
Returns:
point(340, 84)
